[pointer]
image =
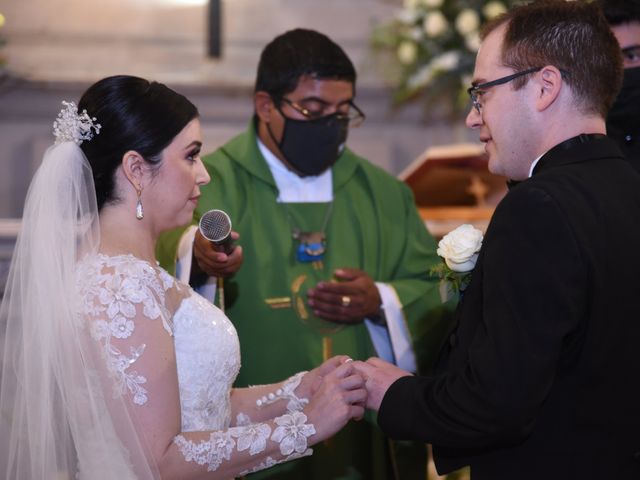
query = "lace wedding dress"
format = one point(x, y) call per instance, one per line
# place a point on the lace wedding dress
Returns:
point(123, 294)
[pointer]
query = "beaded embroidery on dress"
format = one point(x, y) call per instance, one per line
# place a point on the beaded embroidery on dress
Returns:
point(208, 357)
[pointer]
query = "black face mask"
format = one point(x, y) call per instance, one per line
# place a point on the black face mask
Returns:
point(624, 117)
point(313, 146)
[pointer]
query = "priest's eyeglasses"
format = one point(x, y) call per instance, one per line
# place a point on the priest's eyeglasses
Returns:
point(353, 114)
point(476, 91)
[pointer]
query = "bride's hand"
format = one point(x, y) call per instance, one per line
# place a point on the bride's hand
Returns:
point(340, 397)
point(312, 380)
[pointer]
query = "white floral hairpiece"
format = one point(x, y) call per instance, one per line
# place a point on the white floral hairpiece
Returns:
point(71, 126)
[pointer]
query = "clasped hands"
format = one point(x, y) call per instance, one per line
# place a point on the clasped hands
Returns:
point(350, 299)
point(340, 389)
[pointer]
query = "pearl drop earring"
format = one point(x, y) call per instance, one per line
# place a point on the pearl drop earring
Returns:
point(139, 209)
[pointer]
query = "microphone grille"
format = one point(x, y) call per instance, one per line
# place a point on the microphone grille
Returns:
point(215, 225)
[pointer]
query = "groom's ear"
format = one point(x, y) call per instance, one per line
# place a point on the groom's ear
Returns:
point(549, 83)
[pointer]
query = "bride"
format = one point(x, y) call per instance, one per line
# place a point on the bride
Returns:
point(112, 368)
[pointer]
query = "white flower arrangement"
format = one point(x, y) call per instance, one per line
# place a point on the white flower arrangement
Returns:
point(432, 46)
point(459, 249)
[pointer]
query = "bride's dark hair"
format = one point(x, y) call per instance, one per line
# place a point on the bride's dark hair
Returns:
point(135, 114)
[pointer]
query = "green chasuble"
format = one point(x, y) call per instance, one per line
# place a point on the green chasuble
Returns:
point(373, 225)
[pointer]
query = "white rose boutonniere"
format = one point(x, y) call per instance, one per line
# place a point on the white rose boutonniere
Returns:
point(459, 249)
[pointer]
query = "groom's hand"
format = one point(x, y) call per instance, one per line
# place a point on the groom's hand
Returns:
point(379, 376)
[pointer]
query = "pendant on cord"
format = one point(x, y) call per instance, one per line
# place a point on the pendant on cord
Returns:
point(311, 246)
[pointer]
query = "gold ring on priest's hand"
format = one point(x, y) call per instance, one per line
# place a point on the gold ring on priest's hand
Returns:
point(346, 301)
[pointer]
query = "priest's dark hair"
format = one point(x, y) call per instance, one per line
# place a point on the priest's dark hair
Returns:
point(297, 53)
point(135, 114)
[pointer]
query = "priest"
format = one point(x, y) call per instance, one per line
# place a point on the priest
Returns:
point(335, 257)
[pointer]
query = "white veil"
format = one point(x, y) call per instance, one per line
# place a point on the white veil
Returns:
point(58, 416)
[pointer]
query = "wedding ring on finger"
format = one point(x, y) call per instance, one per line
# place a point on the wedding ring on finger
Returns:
point(346, 300)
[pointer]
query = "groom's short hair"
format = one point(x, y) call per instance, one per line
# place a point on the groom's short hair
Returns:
point(575, 37)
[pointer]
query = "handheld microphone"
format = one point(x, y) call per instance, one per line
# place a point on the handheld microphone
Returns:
point(215, 226)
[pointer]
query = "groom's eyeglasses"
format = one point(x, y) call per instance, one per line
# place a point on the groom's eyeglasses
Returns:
point(476, 90)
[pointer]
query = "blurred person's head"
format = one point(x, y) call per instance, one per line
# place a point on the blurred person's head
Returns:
point(624, 18)
point(623, 121)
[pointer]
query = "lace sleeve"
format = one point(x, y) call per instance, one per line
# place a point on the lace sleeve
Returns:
point(249, 448)
point(288, 433)
point(120, 296)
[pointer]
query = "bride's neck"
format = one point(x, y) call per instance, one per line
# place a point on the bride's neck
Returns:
point(122, 233)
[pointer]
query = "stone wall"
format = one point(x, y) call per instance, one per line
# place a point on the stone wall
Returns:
point(166, 39)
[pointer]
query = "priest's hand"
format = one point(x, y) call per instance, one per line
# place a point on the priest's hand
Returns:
point(350, 299)
point(378, 376)
point(211, 260)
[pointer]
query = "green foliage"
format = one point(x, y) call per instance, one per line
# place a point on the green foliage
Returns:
point(458, 281)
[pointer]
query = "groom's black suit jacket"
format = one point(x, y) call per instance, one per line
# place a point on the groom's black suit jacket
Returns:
point(540, 378)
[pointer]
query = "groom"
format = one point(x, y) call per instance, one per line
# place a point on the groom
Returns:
point(540, 378)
